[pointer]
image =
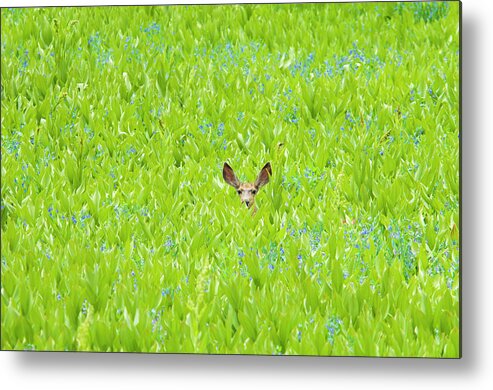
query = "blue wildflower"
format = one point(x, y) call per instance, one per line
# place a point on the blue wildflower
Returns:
point(168, 242)
point(220, 129)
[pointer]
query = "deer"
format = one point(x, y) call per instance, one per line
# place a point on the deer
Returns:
point(247, 191)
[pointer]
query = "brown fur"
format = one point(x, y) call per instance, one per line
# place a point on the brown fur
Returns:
point(247, 191)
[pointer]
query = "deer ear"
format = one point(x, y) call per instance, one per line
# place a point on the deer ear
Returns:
point(264, 175)
point(229, 176)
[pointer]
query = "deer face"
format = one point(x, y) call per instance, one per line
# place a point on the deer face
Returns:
point(247, 191)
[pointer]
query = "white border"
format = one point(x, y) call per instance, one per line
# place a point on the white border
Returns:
point(134, 371)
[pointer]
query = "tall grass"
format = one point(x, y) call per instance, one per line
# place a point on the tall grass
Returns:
point(119, 233)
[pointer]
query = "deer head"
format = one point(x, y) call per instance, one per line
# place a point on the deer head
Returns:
point(247, 191)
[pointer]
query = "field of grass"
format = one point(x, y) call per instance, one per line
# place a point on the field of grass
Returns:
point(118, 232)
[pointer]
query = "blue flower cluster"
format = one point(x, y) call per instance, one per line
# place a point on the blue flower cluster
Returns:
point(333, 326)
point(97, 46)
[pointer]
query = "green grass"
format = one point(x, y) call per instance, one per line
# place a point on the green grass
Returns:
point(118, 232)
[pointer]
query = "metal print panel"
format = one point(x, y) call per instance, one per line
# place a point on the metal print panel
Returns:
point(232, 179)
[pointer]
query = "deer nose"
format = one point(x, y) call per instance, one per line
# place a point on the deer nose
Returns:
point(247, 202)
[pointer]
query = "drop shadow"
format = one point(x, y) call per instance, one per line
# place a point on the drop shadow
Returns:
point(372, 367)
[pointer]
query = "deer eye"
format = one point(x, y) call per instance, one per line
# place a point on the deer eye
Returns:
point(254, 192)
point(239, 192)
